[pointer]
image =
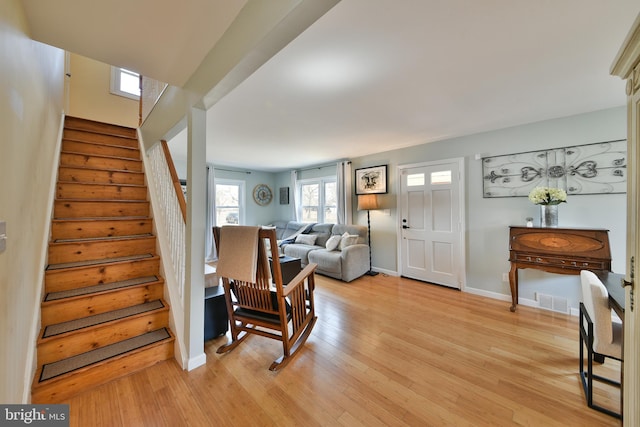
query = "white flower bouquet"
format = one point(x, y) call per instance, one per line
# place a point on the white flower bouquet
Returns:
point(548, 196)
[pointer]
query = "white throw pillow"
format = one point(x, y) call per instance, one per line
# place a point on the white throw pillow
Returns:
point(348, 240)
point(333, 242)
point(306, 239)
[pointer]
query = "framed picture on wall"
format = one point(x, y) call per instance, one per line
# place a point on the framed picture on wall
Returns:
point(371, 180)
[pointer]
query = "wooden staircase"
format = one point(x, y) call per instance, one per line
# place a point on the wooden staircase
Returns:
point(103, 314)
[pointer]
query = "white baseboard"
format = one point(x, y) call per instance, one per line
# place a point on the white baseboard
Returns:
point(521, 301)
point(196, 362)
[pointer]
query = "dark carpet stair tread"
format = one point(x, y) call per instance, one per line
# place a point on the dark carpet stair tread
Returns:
point(97, 319)
point(95, 239)
point(97, 261)
point(54, 296)
point(64, 366)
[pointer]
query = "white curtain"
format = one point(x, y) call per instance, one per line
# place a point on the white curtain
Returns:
point(294, 195)
point(343, 176)
point(210, 247)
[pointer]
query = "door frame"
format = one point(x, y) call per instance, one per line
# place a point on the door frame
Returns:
point(462, 214)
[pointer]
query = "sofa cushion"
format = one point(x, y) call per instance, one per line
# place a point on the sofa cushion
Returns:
point(360, 230)
point(306, 239)
point(329, 262)
point(323, 231)
point(298, 250)
point(347, 240)
point(333, 242)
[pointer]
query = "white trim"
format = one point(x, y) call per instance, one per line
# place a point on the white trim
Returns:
point(242, 204)
point(462, 280)
point(196, 361)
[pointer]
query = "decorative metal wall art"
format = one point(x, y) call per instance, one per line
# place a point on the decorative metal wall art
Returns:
point(583, 169)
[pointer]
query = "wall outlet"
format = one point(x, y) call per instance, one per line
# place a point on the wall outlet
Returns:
point(505, 277)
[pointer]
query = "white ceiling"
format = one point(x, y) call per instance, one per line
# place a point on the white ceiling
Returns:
point(376, 75)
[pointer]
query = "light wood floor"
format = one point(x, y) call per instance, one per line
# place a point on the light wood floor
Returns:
point(385, 352)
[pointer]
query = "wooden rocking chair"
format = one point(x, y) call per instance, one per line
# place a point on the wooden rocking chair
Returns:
point(285, 313)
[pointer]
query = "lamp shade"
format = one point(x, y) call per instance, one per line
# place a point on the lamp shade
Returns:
point(367, 202)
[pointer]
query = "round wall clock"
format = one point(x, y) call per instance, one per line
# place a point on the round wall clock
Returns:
point(262, 194)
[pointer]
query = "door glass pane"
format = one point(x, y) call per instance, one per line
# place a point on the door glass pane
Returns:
point(441, 177)
point(415, 179)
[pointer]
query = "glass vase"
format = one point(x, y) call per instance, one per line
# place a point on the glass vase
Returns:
point(548, 215)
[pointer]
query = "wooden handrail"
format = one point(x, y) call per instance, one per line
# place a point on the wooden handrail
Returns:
point(175, 180)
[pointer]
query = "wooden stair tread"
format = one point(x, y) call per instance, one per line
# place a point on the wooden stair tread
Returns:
point(102, 218)
point(99, 155)
point(105, 238)
point(88, 125)
point(65, 366)
point(101, 184)
point(97, 261)
point(102, 287)
point(97, 319)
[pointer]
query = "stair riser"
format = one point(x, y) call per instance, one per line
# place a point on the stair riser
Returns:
point(73, 252)
point(99, 228)
point(57, 348)
point(99, 149)
point(84, 136)
point(74, 123)
point(74, 308)
point(66, 209)
point(80, 277)
point(60, 389)
point(99, 162)
point(99, 176)
point(99, 191)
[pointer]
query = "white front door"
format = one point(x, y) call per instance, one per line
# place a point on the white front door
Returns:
point(431, 223)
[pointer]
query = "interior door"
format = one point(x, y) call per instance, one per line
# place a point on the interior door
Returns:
point(431, 229)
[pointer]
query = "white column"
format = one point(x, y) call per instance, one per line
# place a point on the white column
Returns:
point(196, 209)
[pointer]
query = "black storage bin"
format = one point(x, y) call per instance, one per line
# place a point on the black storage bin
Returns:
point(216, 320)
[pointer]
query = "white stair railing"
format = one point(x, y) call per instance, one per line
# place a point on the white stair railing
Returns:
point(168, 217)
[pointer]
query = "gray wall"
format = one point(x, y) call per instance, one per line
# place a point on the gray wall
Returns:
point(488, 220)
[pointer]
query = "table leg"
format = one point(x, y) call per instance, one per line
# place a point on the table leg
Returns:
point(513, 283)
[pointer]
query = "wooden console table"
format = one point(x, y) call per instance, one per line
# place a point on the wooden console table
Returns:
point(556, 250)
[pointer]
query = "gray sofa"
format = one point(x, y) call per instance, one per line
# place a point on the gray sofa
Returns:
point(346, 262)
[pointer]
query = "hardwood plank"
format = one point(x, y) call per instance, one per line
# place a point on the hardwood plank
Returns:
point(99, 162)
point(73, 190)
point(71, 122)
point(385, 351)
point(84, 174)
point(85, 229)
point(53, 312)
point(98, 149)
point(71, 278)
point(99, 209)
point(101, 138)
point(97, 249)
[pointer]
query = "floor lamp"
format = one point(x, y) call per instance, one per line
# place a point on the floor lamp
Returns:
point(368, 202)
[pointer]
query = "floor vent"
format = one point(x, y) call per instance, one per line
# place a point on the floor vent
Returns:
point(554, 303)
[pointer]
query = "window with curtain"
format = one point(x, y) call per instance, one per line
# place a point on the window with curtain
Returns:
point(229, 202)
point(318, 200)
